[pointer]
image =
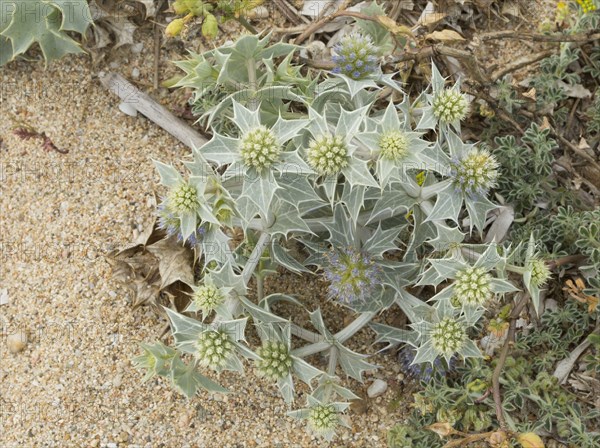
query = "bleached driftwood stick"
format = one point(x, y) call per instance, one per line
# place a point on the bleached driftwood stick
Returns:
point(145, 105)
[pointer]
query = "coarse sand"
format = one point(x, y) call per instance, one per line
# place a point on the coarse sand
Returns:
point(74, 385)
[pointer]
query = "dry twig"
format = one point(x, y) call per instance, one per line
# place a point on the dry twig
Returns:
point(512, 34)
point(520, 63)
point(145, 105)
point(291, 13)
point(322, 22)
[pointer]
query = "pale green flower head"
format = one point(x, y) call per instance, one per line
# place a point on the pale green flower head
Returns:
point(448, 336)
point(444, 334)
point(275, 362)
point(328, 154)
point(472, 286)
point(474, 172)
point(214, 348)
point(259, 148)
point(183, 199)
point(394, 145)
point(323, 419)
point(540, 273)
point(450, 106)
point(209, 297)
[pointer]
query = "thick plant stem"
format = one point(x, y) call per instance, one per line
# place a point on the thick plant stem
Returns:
point(255, 257)
point(260, 287)
point(354, 327)
point(311, 349)
point(339, 337)
point(253, 84)
point(305, 334)
point(514, 315)
point(333, 359)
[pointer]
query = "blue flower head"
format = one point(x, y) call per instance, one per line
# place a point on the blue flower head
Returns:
point(352, 274)
point(426, 371)
point(355, 56)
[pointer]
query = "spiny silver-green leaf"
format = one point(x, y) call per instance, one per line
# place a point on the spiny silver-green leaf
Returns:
point(45, 22)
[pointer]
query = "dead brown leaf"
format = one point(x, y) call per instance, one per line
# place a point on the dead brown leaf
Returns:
point(432, 19)
point(445, 36)
point(154, 267)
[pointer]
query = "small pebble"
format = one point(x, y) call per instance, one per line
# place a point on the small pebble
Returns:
point(377, 388)
point(16, 342)
point(135, 73)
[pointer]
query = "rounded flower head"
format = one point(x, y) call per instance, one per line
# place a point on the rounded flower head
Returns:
point(540, 273)
point(394, 145)
point(356, 56)
point(353, 275)
point(207, 298)
point(472, 287)
point(450, 105)
point(214, 348)
point(259, 148)
point(328, 154)
point(323, 419)
point(475, 173)
point(448, 336)
point(276, 361)
point(183, 199)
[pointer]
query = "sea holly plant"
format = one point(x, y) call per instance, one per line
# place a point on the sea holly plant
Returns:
point(379, 209)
